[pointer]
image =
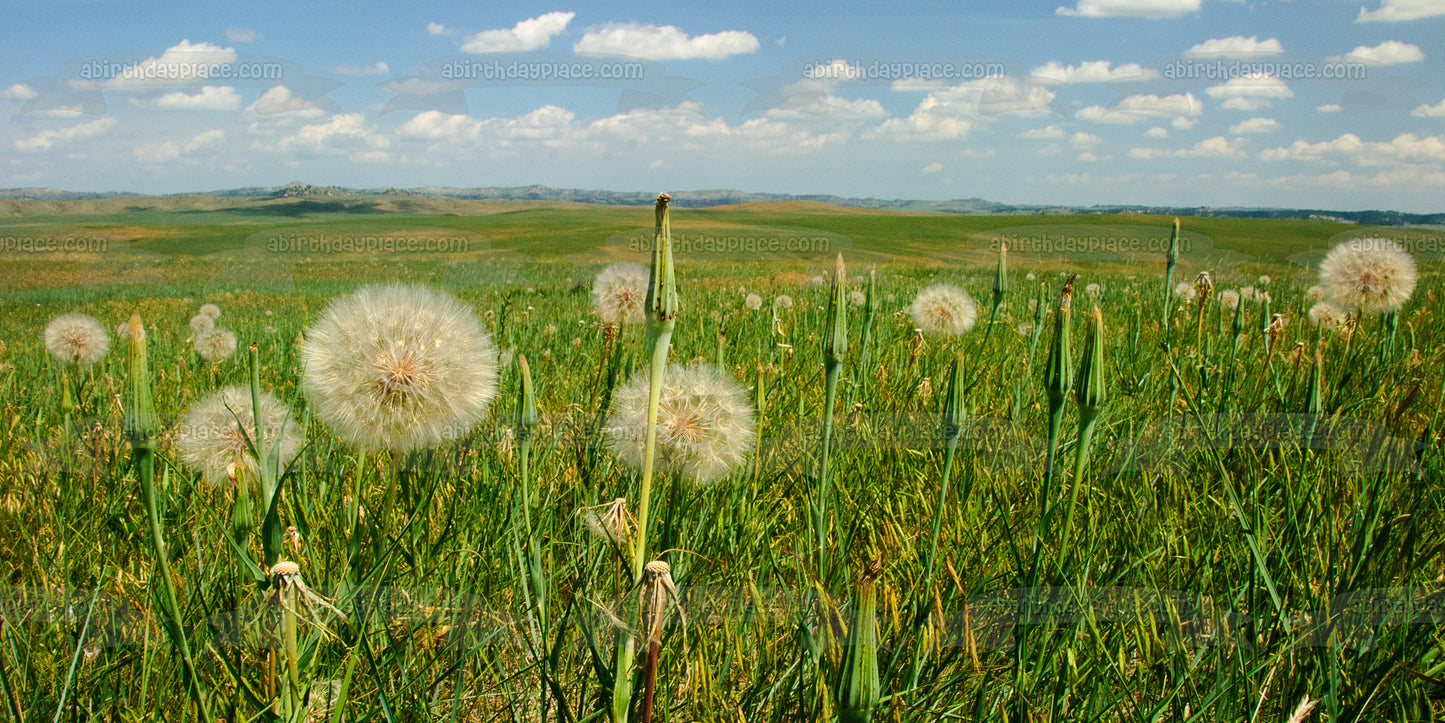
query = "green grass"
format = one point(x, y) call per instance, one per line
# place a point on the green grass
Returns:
point(1253, 535)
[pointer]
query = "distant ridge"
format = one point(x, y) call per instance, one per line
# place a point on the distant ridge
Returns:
point(722, 197)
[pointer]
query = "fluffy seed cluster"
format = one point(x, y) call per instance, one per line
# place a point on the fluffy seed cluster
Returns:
point(216, 344)
point(1229, 299)
point(1186, 291)
point(399, 367)
point(210, 310)
point(76, 339)
point(753, 301)
point(704, 422)
point(1369, 275)
point(211, 439)
point(943, 310)
point(200, 323)
point(783, 302)
point(619, 293)
point(1326, 315)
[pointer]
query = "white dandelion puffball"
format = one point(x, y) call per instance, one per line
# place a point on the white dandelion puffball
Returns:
point(1326, 315)
point(1229, 299)
point(1093, 289)
point(704, 422)
point(122, 331)
point(200, 323)
point(1315, 294)
point(619, 292)
point(399, 367)
point(210, 310)
point(216, 344)
point(784, 302)
point(753, 301)
point(1186, 291)
point(211, 440)
point(943, 310)
point(857, 297)
point(76, 339)
point(1369, 275)
point(1029, 276)
point(1264, 280)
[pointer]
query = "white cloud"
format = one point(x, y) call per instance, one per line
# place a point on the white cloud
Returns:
point(1141, 108)
point(934, 167)
point(1094, 71)
point(531, 34)
point(280, 99)
point(1236, 46)
point(1183, 123)
point(905, 85)
point(438, 29)
point(1086, 157)
point(211, 97)
point(1331, 108)
point(1402, 10)
point(345, 132)
point(153, 153)
point(949, 113)
point(1084, 140)
point(178, 65)
point(1254, 125)
point(1430, 111)
point(1131, 8)
point(378, 68)
point(18, 91)
point(1156, 132)
point(1250, 92)
point(241, 35)
point(1404, 148)
point(1051, 149)
point(1216, 147)
point(1390, 52)
point(47, 139)
point(1408, 178)
point(1051, 133)
point(666, 42)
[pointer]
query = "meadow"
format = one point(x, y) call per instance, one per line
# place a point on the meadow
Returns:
point(1193, 511)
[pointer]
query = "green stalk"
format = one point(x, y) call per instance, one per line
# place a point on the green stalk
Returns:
point(142, 430)
point(865, 340)
point(1090, 395)
point(662, 308)
point(1000, 287)
point(859, 689)
point(525, 425)
point(1058, 379)
point(835, 346)
point(1171, 257)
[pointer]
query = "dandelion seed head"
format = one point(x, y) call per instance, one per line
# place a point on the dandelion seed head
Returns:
point(398, 367)
point(783, 301)
point(212, 435)
point(1370, 275)
point(210, 310)
point(753, 301)
point(76, 339)
point(619, 292)
point(1229, 299)
point(1315, 294)
point(704, 422)
point(1326, 315)
point(216, 344)
point(943, 310)
point(1186, 291)
point(1093, 289)
point(1264, 280)
point(857, 297)
point(200, 323)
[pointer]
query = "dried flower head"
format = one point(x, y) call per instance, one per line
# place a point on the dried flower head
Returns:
point(1369, 275)
point(200, 323)
point(943, 310)
point(399, 367)
point(609, 521)
point(753, 301)
point(704, 422)
point(619, 293)
point(76, 339)
point(210, 310)
point(216, 344)
point(212, 437)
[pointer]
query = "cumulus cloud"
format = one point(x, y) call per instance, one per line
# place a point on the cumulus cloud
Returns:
point(47, 139)
point(178, 65)
point(1394, 11)
point(1236, 46)
point(1250, 92)
point(1051, 133)
point(530, 34)
point(1157, 132)
point(438, 29)
point(155, 153)
point(211, 97)
point(1332, 108)
point(1216, 147)
point(1141, 108)
point(1084, 140)
point(241, 35)
point(934, 167)
point(1093, 71)
point(1390, 52)
point(378, 68)
point(280, 99)
point(18, 91)
point(1131, 8)
point(1404, 148)
point(667, 42)
point(1430, 111)
point(342, 133)
point(1254, 125)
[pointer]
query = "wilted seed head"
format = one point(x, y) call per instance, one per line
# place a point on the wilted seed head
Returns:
point(1185, 291)
point(1369, 275)
point(399, 367)
point(609, 521)
point(1327, 316)
point(619, 292)
point(704, 422)
point(76, 339)
point(1229, 299)
point(212, 435)
point(753, 301)
point(200, 323)
point(216, 344)
point(210, 310)
point(943, 310)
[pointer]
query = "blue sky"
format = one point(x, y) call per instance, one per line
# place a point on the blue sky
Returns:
point(1180, 102)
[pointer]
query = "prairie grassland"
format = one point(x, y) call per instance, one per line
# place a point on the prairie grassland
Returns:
point(1259, 525)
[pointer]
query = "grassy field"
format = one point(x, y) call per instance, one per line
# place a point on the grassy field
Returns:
point(1257, 523)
